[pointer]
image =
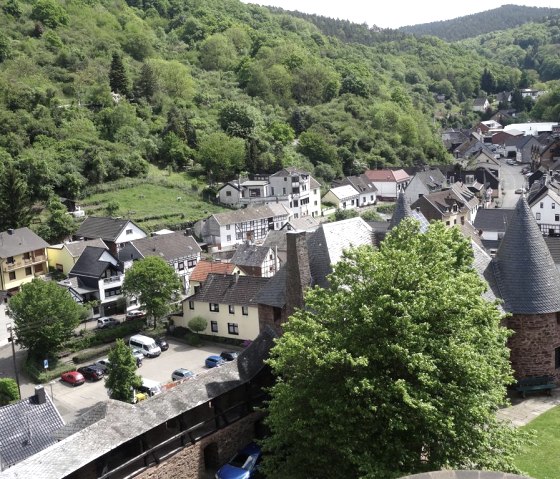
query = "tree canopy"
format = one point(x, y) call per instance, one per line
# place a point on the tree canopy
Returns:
point(45, 316)
point(398, 368)
point(154, 283)
point(122, 378)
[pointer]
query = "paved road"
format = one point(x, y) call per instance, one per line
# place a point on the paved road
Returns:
point(512, 179)
point(73, 401)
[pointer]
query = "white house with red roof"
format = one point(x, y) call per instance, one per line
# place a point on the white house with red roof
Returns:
point(389, 183)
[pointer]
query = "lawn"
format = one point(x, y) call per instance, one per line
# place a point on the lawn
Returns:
point(541, 458)
point(158, 201)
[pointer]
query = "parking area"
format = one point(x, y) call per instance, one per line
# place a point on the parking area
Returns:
point(73, 401)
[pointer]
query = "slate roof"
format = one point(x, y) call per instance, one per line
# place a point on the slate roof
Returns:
point(76, 248)
point(526, 275)
point(105, 228)
point(289, 171)
point(327, 244)
point(432, 178)
point(251, 213)
point(313, 183)
point(273, 293)
point(22, 240)
point(89, 263)
point(403, 211)
point(303, 223)
point(361, 183)
point(479, 101)
point(169, 246)
point(482, 265)
point(229, 289)
point(250, 255)
point(129, 252)
point(553, 244)
point(113, 425)
point(204, 267)
point(26, 428)
point(493, 219)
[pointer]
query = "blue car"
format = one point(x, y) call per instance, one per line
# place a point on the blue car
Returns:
point(244, 465)
point(213, 361)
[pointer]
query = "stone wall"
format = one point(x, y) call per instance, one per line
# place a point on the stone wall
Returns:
point(533, 343)
point(273, 317)
point(190, 462)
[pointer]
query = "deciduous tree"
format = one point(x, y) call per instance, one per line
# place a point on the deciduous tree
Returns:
point(8, 391)
point(398, 368)
point(122, 378)
point(154, 283)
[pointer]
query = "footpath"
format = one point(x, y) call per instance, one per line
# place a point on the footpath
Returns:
point(525, 410)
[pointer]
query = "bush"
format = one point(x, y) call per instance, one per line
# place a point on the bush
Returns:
point(197, 324)
point(39, 375)
point(8, 391)
point(193, 339)
point(91, 353)
point(386, 208)
point(371, 215)
point(179, 332)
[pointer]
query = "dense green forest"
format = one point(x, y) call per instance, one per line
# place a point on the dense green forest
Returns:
point(93, 91)
point(502, 18)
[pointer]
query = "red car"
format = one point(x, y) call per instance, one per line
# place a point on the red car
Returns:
point(73, 377)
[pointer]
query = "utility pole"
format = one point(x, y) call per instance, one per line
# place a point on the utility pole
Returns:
point(11, 339)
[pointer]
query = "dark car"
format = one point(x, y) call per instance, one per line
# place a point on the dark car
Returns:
point(73, 377)
point(213, 361)
point(229, 355)
point(162, 343)
point(244, 465)
point(93, 372)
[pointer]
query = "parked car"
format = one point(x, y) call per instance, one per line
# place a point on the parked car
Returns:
point(229, 355)
point(103, 364)
point(150, 387)
point(138, 355)
point(244, 465)
point(162, 343)
point(520, 191)
point(136, 314)
point(182, 373)
point(92, 372)
point(511, 162)
point(73, 377)
point(106, 322)
point(213, 361)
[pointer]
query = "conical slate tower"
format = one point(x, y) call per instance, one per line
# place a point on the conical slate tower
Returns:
point(529, 284)
point(527, 276)
point(402, 211)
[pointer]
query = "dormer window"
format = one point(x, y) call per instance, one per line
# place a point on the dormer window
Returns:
point(129, 231)
point(455, 208)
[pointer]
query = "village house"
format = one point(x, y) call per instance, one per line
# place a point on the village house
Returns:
point(364, 186)
point(344, 197)
point(62, 257)
point(224, 230)
point(544, 203)
point(206, 267)
point(253, 260)
point(454, 206)
point(491, 225)
point(480, 105)
point(425, 182)
point(389, 183)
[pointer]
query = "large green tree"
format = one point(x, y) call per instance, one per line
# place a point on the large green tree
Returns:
point(59, 226)
point(122, 378)
point(398, 368)
point(15, 200)
point(154, 283)
point(45, 316)
point(118, 76)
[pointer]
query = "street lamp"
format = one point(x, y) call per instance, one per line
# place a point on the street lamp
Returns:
point(11, 339)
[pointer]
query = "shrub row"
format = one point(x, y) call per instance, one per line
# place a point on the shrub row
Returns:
point(39, 375)
point(83, 356)
point(387, 208)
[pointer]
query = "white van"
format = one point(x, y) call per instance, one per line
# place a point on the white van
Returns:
point(145, 344)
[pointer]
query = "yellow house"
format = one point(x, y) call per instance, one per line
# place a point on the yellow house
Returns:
point(63, 257)
point(23, 256)
point(228, 303)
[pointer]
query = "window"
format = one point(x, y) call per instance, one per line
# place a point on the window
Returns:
point(26, 256)
point(238, 235)
point(191, 304)
point(245, 310)
point(285, 178)
point(451, 179)
point(12, 275)
point(59, 267)
point(10, 260)
point(228, 193)
point(228, 238)
point(181, 266)
point(214, 326)
point(556, 217)
point(214, 307)
point(315, 202)
point(553, 206)
point(113, 292)
point(284, 190)
point(538, 216)
point(542, 204)
point(228, 227)
point(191, 263)
point(296, 203)
point(231, 309)
point(129, 231)
point(233, 328)
point(29, 271)
point(447, 223)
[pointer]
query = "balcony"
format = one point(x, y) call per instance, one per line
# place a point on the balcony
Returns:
point(114, 280)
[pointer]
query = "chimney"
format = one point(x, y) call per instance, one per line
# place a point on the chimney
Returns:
point(298, 273)
point(40, 395)
point(10, 231)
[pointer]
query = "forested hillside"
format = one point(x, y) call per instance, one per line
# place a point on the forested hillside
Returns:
point(96, 90)
point(502, 18)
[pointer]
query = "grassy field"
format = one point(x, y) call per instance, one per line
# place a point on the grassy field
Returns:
point(541, 458)
point(158, 201)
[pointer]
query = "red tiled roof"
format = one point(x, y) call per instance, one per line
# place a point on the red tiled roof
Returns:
point(387, 175)
point(204, 268)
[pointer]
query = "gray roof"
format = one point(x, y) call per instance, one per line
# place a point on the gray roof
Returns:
point(273, 293)
point(303, 223)
point(327, 244)
point(105, 228)
point(109, 426)
point(89, 263)
point(229, 289)
point(361, 183)
point(493, 219)
point(553, 244)
point(250, 255)
point(169, 246)
point(76, 248)
point(403, 210)
point(21, 240)
point(482, 265)
point(251, 213)
point(526, 275)
point(26, 428)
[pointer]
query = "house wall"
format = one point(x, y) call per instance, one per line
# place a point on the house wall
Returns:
point(533, 344)
point(549, 213)
point(314, 206)
point(415, 189)
point(248, 325)
point(348, 203)
point(130, 233)
point(37, 262)
point(386, 189)
point(229, 195)
point(366, 199)
point(60, 256)
point(273, 317)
